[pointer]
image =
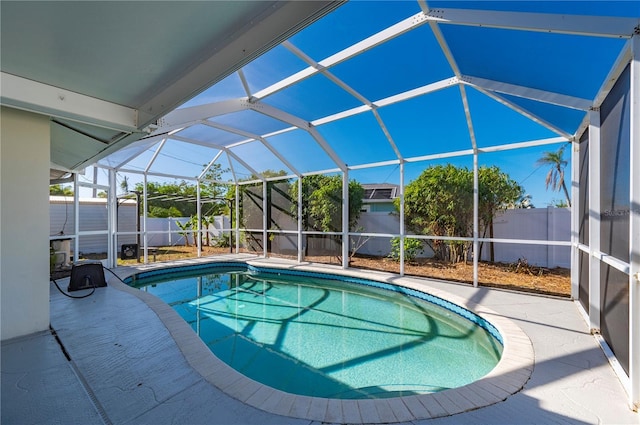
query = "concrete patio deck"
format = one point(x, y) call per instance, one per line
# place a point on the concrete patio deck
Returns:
point(115, 358)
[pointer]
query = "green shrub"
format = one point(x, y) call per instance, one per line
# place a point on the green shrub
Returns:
point(223, 241)
point(412, 248)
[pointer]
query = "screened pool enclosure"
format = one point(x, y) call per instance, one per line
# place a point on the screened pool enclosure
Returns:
point(545, 94)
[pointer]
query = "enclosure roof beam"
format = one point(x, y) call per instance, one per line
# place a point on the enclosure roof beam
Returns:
point(596, 26)
point(526, 113)
point(344, 86)
point(528, 93)
point(244, 82)
point(324, 71)
point(467, 114)
point(381, 37)
point(185, 117)
point(160, 134)
point(278, 114)
point(520, 145)
point(409, 94)
point(251, 137)
point(233, 171)
point(140, 149)
point(155, 155)
point(623, 59)
point(216, 146)
point(444, 46)
point(419, 91)
point(209, 165)
point(197, 142)
point(375, 164)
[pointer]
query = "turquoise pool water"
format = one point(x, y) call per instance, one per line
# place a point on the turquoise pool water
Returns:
point(329, 338)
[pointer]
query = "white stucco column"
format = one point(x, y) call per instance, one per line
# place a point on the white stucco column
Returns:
point(24, 222)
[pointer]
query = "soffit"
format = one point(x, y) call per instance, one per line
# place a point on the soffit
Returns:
point(121, 65)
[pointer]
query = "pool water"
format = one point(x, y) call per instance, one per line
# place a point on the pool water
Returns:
point(328, 338)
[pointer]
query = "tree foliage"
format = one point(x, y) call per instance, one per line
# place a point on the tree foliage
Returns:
point(178, 198)
point(496, 191)
point(440, 202)
point(60, 190)
point(322, 202)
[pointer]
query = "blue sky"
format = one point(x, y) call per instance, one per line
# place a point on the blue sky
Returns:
point(425, 125)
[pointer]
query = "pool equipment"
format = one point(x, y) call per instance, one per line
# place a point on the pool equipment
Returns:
point(86, 274)
point(129, 251)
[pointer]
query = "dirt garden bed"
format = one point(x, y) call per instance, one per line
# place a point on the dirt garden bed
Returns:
point(514, 276)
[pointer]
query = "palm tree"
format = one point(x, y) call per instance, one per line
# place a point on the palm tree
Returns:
point(124, 185)
point(555, 176)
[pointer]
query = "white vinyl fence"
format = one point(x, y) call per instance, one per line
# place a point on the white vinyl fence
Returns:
point(174, 237)
point(541, 224)
point(547, 224)
point(93, 218)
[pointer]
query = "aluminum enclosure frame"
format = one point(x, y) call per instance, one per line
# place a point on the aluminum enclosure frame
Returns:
point(170, 126)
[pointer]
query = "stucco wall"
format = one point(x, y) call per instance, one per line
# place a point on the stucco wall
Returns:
point(24, 222)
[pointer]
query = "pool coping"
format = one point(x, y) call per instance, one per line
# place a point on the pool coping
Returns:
point(508, 377)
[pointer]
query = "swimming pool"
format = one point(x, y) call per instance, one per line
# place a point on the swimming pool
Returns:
point(320, 335)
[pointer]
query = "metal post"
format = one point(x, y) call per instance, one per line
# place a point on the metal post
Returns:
point(237, 206)
point(265, 223)
point(634, 229)
point(94, 190)
point(575, 218)
point(230, 225)
point(300, 239)
point(76, 218)
point(138, 193)
point(345, 219)
point(112, 223)
point(594, 221)
point(145, 213)
point(199, 219)
point(476, 232)
point(402, 230)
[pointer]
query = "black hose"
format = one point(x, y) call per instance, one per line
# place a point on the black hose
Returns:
point(113, 273)
point(93, 289)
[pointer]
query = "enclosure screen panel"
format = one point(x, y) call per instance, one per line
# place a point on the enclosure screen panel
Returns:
point(615, 210)
point(583, 279)
point(282, 205)
point(251, 206)
point(614, 320)
point(583, 202)
point(614, 162)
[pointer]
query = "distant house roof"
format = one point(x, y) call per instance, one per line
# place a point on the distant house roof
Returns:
point(380, 192)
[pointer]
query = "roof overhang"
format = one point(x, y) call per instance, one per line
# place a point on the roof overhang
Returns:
point(105, 72)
